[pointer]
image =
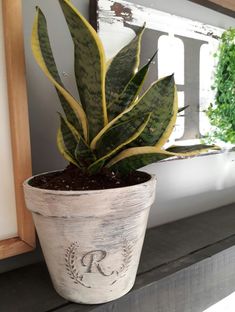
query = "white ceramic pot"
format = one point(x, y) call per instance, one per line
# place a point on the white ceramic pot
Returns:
point(91, 240)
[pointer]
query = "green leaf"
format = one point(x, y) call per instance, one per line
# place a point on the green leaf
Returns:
point(122, 68)
point(89, 67)
point(222, 113)
point(43, 54)
point(96, 166)
point(83, 154)
point(121, 134)
point(124, 133)
point(137, 157)
point(62, 149)
point(191, 149)
point(183, 108)
point(161, 100)
point(130, 93)
point(75, 145)
point(69, 135)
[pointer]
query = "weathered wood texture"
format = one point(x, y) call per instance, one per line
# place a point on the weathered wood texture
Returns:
point(186, 266)
point(223, 6)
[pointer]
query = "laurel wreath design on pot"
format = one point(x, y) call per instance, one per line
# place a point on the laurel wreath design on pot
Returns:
point(70, 257)
point(127, 252)
point(72, 260)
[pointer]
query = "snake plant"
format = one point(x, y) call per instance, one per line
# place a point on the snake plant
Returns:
point(113, 125)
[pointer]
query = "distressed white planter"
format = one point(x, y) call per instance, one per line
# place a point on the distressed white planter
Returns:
point(91, 240)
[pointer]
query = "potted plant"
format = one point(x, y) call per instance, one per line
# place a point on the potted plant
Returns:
point(91, 217)
point(222, 112)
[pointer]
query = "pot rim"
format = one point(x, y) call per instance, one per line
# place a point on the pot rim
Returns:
point(26, 185)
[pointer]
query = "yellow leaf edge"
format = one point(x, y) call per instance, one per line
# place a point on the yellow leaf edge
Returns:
point(102, 57)
point(74, 131)
point(62, 149)
point(127, 110)
point(133, 151)
point(165, 137)
point(77, 108)
point(132, 138)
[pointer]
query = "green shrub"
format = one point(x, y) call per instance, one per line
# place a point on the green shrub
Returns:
point(222, 113)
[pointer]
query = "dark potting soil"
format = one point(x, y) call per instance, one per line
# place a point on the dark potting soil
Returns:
point(72, 179)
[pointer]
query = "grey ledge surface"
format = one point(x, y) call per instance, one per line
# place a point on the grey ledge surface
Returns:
point(186, 266)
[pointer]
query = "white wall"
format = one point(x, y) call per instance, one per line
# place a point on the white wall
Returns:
point(185, 187)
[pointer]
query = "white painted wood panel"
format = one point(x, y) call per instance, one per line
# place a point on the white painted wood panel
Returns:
point(190, 186)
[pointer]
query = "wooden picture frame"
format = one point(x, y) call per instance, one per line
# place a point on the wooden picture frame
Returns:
point(223, 6)
point(19, 124)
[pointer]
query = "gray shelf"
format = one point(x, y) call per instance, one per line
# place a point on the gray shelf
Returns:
point(186, 266)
